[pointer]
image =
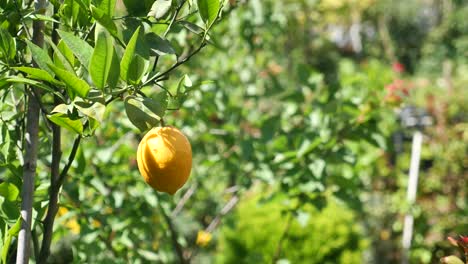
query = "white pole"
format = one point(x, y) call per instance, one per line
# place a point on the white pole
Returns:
point(411, 193)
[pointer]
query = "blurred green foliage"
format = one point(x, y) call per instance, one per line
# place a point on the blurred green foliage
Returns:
point(330, 235)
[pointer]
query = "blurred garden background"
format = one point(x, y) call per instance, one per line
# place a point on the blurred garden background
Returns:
point(299, 155)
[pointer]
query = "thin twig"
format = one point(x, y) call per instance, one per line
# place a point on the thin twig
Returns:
point(217, 220)
point(165, 89)
point(159, 77)
point(174, 17)
point(226, 209)
point(184, 200)
point(64, 172)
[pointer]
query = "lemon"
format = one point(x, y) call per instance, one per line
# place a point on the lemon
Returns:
point(164, 159)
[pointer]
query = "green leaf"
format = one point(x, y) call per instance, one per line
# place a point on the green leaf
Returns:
point(65, 121)
point(158, 106)
point(108, 7)
point(40, 56)
point(43, 18)
point(80, 161)
point(114, 72)
point(101, 60)
point(38, 74)
point(161, 99)
point(64, 54)
point(7, 45)
point(95, 111)
point(184, 83)
point(15, 79)
point(192, 27)
point(82, 50)
point(8, 210)
point(135, 60)
point(62, 61)
point(128, 55)
point(158, 46)
point(208, 10)
point(139, 114)
point(76, 85)
point(9, 191)
point(62, 108)
point(12, 232)
point(160, 8)
point(105, 20)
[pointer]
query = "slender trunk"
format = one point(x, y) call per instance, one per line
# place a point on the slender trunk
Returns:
point(30, 155)
point(29, 171)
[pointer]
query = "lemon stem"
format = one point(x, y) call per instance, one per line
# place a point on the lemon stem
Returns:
point(162, 122)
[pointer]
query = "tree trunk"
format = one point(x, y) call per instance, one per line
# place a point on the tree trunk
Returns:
point(30, 155)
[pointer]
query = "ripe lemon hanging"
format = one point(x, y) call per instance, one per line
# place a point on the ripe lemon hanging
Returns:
point(164, 159)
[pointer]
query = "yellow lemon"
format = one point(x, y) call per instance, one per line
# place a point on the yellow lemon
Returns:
point(164, 159)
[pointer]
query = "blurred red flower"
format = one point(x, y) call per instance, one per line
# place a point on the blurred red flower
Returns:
point(398, 67)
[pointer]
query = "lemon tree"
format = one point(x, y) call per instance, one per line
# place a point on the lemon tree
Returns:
point(62, 64)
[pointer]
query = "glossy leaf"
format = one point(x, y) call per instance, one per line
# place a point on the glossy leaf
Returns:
point(9, 210)
point(105, 20)
point(135, 60)
point(38, 74)
point(40, 56)
point(157, 105)
point(192, 27)
point(43, 18)
point(64, 53)
point(114, 72)
point(95, 110)
point(7, 45)
point(101, 60)
point(108, 7)
point(63, 120)
point(9, 191)
point(40, 85)
point(208, 10)
point(76, 85)
point(160, 8)
point(158, 46)
point(139, 114)
point(62, 61)
point(12, 232)
point(82, 50)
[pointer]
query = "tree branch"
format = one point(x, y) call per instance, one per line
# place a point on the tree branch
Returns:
point(65, 169)
point(184, 199)
point(159, 77)
point(174, 234)
point(53, 195)
point(217, 220)
point(226, 209)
